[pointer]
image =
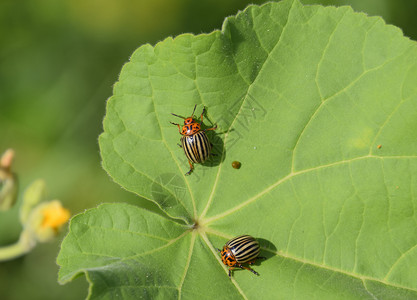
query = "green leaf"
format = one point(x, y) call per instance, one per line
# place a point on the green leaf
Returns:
point(320, 107)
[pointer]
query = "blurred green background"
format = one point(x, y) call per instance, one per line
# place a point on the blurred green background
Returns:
point(58, 62)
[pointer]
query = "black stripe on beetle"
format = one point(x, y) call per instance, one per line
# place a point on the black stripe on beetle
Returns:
point(194, 141)
point(196, 147)
point(239, 250)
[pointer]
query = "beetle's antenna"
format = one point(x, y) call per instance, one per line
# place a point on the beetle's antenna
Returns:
point(178, 116)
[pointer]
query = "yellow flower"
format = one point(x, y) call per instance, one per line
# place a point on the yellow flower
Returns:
point(41, 224)
point(46, 219)
point(54, 216)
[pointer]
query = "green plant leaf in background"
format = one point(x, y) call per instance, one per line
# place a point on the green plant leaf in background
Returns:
point(320, 107)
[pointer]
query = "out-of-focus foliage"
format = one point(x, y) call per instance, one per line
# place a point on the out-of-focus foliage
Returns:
point(58, 61)
point(400, 13)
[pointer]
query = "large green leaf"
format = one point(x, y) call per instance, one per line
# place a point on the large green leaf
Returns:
point(320, 107)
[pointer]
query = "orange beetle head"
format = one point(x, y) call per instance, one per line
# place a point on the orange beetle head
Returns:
point(188, 121)
point(227, 257)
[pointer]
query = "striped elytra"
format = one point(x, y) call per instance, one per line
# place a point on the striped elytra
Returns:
point(239, 250)
point(245, 248)
point(196, 147)
point(194, 141)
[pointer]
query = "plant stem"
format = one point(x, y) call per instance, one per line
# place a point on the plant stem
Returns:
point(21, 247)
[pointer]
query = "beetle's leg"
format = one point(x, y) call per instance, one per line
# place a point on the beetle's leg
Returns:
point(202, 113)
point(249, 269)
point(179, 145)
point(253, 261)
point(213, 128)
point(179, 128)
point(230, 272)
point(218, 249)
point(191, 168)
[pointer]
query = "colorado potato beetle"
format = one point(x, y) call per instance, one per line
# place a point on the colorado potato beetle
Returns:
point(239, 250)
point(194, 141)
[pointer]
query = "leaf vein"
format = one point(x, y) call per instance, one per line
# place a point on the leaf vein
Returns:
point(331, 36)
point(340, 271)
point(293, 174)
point(212, 249)
point(209, 201)
point(152, 180)
point(187, 265)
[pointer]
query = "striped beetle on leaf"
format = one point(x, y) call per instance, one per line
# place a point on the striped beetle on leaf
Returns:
point(194, 141)
point(239, 250)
